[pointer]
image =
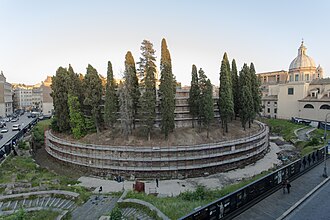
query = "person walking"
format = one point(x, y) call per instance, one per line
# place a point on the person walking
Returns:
point(283, 186)
point(288, 186)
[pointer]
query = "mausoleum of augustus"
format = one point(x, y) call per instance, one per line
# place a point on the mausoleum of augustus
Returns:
point(163, 161)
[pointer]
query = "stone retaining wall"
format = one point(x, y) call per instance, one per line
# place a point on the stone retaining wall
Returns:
point(160, 162)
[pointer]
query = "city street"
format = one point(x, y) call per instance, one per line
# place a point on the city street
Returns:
point(315, 207)
point(23, 119)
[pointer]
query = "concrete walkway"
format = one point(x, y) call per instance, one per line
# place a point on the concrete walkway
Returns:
point(278, 203)
point(175, 186)
point(303, 133)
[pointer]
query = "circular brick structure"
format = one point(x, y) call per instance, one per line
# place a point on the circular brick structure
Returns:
point(160, 162)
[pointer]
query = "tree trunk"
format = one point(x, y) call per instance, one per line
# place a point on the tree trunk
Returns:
point(208, 131)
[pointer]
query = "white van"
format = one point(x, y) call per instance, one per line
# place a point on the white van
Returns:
point(16, 127)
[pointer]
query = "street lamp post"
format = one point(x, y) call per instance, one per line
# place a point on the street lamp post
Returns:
point(325, 174)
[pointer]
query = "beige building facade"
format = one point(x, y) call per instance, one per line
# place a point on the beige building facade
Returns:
point(6, 97)
point(37, 96)
point(301, 92)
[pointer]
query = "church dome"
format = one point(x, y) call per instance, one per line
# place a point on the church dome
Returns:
point(302, 60)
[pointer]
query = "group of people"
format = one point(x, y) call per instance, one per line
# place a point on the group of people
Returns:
point(286, 184)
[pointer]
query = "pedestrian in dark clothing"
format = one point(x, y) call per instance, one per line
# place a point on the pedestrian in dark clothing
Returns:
point(157, 182)
point(288, 185)
point(283, 186)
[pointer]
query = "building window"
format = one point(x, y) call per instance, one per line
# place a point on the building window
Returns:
point(290, 78)
point(290, 91)
point(307, 77)
point(277, 78)
point(296, 77)
point(268, 110)
point(308, 106)
point(325, 107)
point(275, 110)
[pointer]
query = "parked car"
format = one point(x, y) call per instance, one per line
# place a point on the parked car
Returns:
point(4, 130)
point(7, 119)
point(16, 127)
point(14, 120)
point(2, 124)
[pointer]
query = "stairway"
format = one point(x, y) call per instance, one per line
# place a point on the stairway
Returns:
point(40, 202)
point(131, 213)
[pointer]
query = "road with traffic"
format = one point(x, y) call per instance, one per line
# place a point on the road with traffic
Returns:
point(23, 121)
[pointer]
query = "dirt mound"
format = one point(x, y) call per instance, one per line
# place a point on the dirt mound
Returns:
point(180, 136)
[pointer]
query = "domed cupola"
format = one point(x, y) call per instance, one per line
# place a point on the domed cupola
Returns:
point(302, 60)
point(303, 67)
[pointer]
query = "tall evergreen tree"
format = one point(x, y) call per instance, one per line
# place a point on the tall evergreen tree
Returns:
point(207, 105)
point(111, 99)
point(194, 95)
point(247, 110)
point(236, 88)
point(147, 57)
point(147, 69)
point(93, 96)
point(133, 84)
point(202, 79)
point(125, 103)
point(60, 100)
point(226, 102)
point(255, 89)
point(77, 121)
point(166, 91)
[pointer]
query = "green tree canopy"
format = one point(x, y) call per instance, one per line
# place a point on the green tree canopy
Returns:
point(132, 84)
point(111, 99)
point(166, 91)
point(93, 95)
point(60, 100)
point(77, 121)
point(194, 95)
point(226, 101)
point(147, 68)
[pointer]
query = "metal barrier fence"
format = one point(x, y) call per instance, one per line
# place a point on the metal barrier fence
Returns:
point(236, 202)
point(7, 148)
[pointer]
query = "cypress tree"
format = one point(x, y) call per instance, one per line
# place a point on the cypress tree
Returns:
point(236, 88)
point(147, 69)
point(256, 93)
point(93, 96)
point(246, 113)
point(208, 107)
point(194, 95)
point(77, 121)
point(166, 91)
point(226, 102)
point(125, 103)
point(133, 85)
point(60, 100)
point(111, 99)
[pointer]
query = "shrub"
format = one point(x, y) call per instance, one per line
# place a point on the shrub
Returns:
point(115, 214)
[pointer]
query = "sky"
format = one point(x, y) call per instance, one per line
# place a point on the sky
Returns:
point(37, 36)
